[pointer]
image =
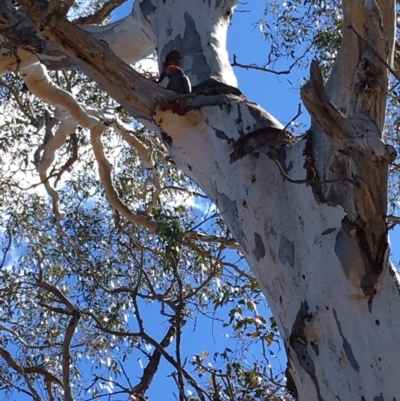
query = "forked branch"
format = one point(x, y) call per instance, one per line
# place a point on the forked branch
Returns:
point(356, 132)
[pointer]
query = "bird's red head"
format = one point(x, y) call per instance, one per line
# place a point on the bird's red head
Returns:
point(173, 58)
point(172, 68)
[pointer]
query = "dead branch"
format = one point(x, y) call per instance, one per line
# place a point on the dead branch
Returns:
point(265, 68)
point(100, 15)
point(345, 133)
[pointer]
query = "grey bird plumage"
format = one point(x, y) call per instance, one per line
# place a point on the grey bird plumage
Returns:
point(174, 79)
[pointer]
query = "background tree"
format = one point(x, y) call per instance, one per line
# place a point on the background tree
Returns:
point(309, 213)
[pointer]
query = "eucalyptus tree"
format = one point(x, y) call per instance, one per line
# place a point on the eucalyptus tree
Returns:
point(308, 213)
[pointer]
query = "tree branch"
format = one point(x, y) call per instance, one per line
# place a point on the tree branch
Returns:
point(100, 15)
point(139, 97)
point(266, 69)
point(23, 370)
point(66, 354)
point(154, 361)
point(355, 132)
point(105, 170)
point(69, 333)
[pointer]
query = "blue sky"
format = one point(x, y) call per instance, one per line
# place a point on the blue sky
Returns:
point(278, 94)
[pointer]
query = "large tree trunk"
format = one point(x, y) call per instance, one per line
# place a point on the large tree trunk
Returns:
point(309, 214)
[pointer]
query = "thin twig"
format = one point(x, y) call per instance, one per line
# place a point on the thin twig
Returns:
point(265, 69)
point(311, 182)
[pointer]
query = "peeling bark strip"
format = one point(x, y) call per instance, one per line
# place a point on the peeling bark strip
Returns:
point(241, 156)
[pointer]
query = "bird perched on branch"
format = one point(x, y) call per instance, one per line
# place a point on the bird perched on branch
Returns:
point(173, 77)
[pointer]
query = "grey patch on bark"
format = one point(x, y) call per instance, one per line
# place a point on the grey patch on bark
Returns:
point(166, 138)
point(230, 211)
point(298, 342)
point(301, 221)
point(221, 135)
point(314, 347)
point(192, 46)
point(348, 253)
point(218, 133)
point(259, 250)
point(290, 383)
point(147, 8)
point(337, 192)
point(346, 345)
point(286, 334)
point(310, 167)
point(328, 231)
point(271, 236)
point(348, 248)
point(280, 156)
point(286, 251)
point(379, 398)
point(239, 120)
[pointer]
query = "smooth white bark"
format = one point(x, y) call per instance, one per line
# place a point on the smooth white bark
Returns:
point(198, 29)
point(310, 268)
